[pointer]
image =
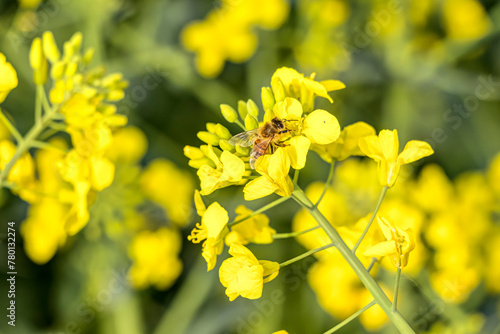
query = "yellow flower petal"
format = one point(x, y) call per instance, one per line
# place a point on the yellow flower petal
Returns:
point(414, 150)
point(370, 146)
point(389, 144)
point(258, 188)
point(215, 220)
point(289, 109)
point(8, 78)
point(331, 85)
point(102, 173)
point(321, 127)
point(296, 150)
point(383, 248)
point(234, 167)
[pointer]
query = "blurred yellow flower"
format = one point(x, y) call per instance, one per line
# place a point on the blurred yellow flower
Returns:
point(281, 332)
point(8, 77)
point(494, 174)
point(22, 174)
point(384, 150)
point(226, 33)
point(29, 3)
point(128, 145)
point(155, 257)
point(252, 230)
point(465, 19)
point(229, 170)
point(398, 246)
point(274, 177)
point(167, 185)
point(346, 144)
point(244, 275)
point(212, 230)
point(432, 191)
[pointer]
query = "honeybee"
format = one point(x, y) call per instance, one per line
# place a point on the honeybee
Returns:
point(262, 138)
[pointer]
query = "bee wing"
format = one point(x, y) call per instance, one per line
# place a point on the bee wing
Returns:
point(244, 139)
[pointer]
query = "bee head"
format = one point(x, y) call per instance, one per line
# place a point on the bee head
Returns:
point(278, 123)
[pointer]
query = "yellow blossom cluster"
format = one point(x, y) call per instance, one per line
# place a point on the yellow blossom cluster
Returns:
point(226, 33)
point(241, 160)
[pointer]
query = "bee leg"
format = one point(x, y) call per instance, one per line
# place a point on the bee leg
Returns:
point(281, 144)
point(284, 131)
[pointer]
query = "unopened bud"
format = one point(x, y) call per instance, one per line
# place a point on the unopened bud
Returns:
point(209, 138)
point(57, 70)
point(251, 123)
point(242, 109)
point(211, 127)
point(200, 162)
point(252, 108)
point(228, 113)
point(224, 144)
point(36, 54)
point(50, 47)
point(267, 98)
point(244, 151)
point(193, 152)
point(278, 90)
point(222, 131)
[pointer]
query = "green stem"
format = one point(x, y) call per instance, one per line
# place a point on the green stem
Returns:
point(304, 255)
point(38, 103)
point(374, 260)
point(396, 290)
point(327, 183)
point(240, 125)
point(12, 129)
point(294, 234)
point(45, 101)
point(351, 318)
point(369, 282)
point(25, 144)
point(296, 176)
point(256, 212)
point(372, 218)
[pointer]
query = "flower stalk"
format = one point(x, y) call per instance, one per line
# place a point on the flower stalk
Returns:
point(368, 281)
point(306, 254)
point(351, 318)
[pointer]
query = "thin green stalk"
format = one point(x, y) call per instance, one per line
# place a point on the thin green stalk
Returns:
point(396, 290)
point(12, 129)
point(240, 125)
point(25, 144)
point(296, 176)
point(304, 255)
point(327, 183)
point(374, 260)
point(256, 212)
point(351, 318)
point(372, 218)
point(45, 101)
point(38, 103)
point(368, 281)
point(294, 234)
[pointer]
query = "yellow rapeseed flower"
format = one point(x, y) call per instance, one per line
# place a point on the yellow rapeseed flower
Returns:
point(252, 230)
point(244, 275)
point(274, 177)
point(465, 19)
point(384, 149)
point(155, 257)
point(128, 145)
point(229, 170)
point(8, 77)
point(212, 230)
point(346, 144)
point(398, 246)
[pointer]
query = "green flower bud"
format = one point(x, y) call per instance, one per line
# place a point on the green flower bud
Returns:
point(50, 47)
point(228, 113)
point(251, 123)
point(224, 144)
point(209, 138)
point(252, 108)
point(267, 98)
point(242, 109)
point(222, 131)
point(278, 90)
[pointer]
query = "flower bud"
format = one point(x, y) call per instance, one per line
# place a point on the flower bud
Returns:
point(71, 69)
point(40, 74)
point(267, 98)
point(224, 144)
point(111, 79)
point(222, 131)
point(57, 70)
point(209, 138)
point(115, 95)
point(76, 41)
point(56, 94)
point(278, 90)
point(200, 162)
point(252, 108)
point(193, 152)
point(242, 109)
point(50, 47)
point(228, 113)
point(36, 54)
point(211, 127)
point(251, 123)
point(244, 151)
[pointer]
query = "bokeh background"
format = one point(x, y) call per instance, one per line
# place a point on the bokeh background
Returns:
point(429, 68)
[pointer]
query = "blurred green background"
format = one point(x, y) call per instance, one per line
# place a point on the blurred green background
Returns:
point(430, 69)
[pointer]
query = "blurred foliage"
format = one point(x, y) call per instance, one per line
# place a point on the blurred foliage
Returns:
point(429, 68)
